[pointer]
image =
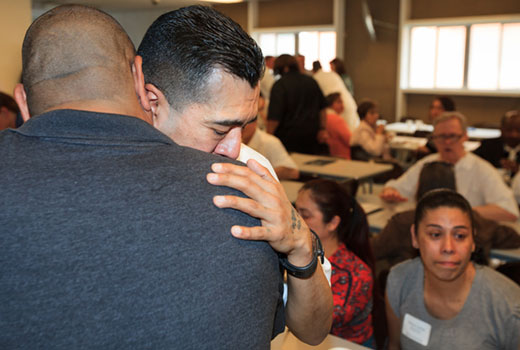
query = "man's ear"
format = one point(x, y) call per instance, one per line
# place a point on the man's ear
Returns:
point(137, 72)
point(21, 100)
point(159, 105)
point(415, 244)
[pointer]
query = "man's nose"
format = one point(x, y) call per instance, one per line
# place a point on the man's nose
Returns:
point(229, 146)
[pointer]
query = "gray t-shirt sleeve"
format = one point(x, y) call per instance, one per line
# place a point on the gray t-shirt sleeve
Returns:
point(400, 280)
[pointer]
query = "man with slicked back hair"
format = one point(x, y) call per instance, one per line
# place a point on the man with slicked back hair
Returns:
point(202, 73)
point(110, 238)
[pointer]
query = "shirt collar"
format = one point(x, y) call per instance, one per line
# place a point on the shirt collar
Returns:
point(91, 127)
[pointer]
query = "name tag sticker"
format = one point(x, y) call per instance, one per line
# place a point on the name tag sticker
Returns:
point(416, 329)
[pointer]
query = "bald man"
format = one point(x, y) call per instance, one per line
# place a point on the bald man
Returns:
point(109, 238)
point(202, 73)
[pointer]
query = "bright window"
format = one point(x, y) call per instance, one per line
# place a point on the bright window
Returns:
point(314, 45)
point(437, 57)
point(509, 77)
point(484, 50)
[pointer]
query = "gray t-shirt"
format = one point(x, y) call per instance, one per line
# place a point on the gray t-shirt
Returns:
point(490, 318)
point(109, 239)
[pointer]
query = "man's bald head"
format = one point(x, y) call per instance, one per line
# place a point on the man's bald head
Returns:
point(75, 54)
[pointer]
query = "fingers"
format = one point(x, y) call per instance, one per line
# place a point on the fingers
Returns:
point(246, 205)
point(257, 184)
point(260, 170)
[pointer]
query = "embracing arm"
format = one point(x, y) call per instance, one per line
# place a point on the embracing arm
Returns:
point(309, 302)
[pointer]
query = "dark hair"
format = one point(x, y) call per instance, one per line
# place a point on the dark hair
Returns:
point(435, 175)
point(443, 198)
point(364, 107)
point(8, 102)
point(333, 199)
point(339, 67)
point(509, 116)
point(75, 52)
point(331, 98)
point(316, 66)
point(448, 198)
point(285, 61)
point(182, 48)
point(447, 103)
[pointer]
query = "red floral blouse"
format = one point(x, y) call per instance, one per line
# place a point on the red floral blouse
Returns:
point(352, 284)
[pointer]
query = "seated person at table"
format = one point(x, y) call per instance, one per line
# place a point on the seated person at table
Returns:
point(504, 151)
point(339, 133)
point(272, 148)
point(439, 105)
point(443, 299)
point(476, 179)
point(371, 139)
point(341, 224)
point(393, 244)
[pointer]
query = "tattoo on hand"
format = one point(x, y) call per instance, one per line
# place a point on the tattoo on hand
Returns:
point(296, 223)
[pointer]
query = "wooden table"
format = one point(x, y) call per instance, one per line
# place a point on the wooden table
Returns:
point(287, 341)
point(338, 168)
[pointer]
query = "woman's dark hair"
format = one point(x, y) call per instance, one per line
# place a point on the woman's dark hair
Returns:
point(339, 66)
point(364, 107)
point(451, 199)
point(435, 175)
point(331, 98)
point(442, 198)
point(447, 103)
point(333, 199)
point(285, 61)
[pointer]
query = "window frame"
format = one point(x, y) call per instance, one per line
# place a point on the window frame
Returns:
point(295, 31)
point(405, 52)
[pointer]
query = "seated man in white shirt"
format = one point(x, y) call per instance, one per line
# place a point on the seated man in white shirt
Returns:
point(476, 179)
point(272, 148)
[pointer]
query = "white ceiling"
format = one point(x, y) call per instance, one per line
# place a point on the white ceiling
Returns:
point(119, 4)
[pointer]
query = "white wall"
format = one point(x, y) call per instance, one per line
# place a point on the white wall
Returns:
point(137, 22)
point(15, 18)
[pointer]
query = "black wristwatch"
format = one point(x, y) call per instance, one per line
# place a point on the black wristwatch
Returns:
point(305, 271)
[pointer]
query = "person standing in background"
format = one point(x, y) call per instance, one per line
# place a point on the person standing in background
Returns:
point(337, 65)
point(330, 82)
point(296, 112)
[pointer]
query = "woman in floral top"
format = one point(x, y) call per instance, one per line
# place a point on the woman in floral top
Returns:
point(342, 227)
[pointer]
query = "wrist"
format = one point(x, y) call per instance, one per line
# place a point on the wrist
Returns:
point(308, 269)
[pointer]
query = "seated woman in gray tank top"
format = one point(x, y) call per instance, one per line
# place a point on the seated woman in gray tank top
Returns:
point(442, 299)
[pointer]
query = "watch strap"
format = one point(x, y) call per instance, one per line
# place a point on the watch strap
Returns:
point(308, 270)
